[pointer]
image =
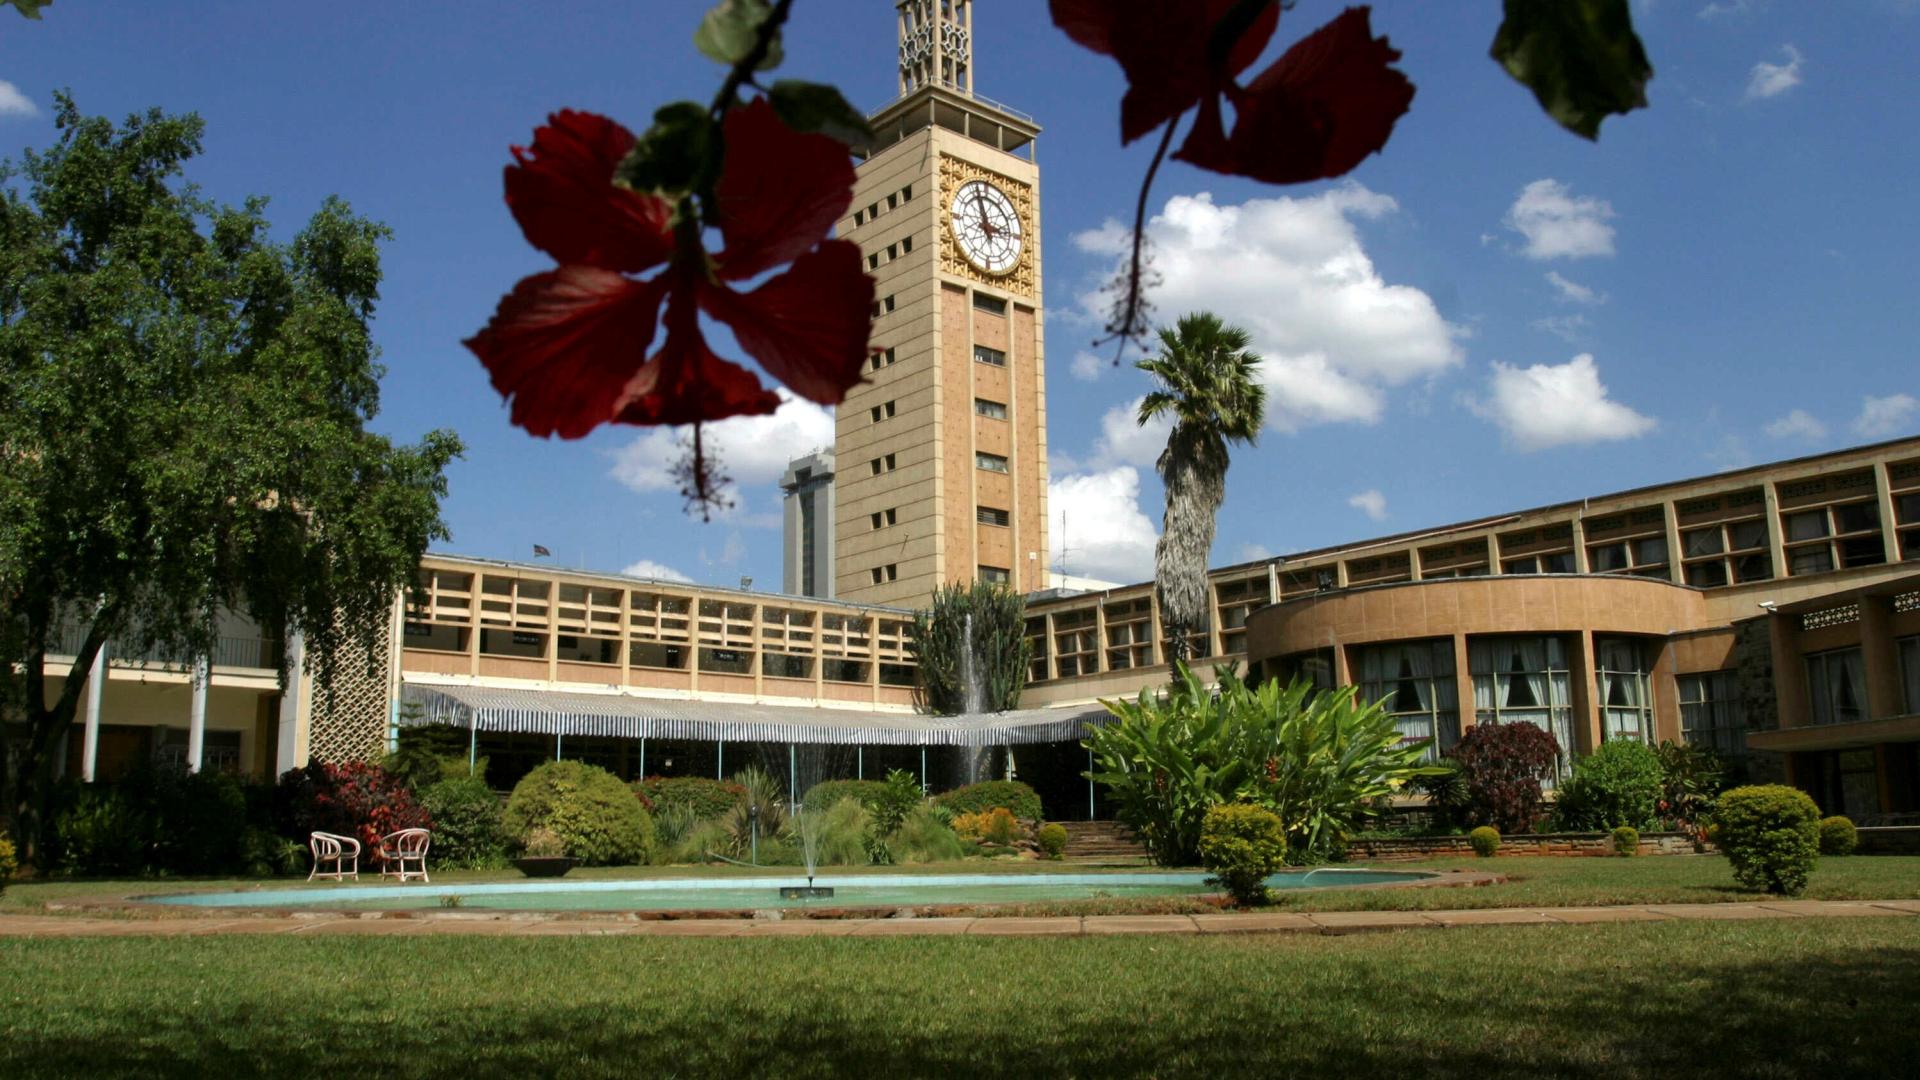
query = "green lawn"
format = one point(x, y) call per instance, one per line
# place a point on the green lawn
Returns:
point(1810, 997)
point(1533, 882)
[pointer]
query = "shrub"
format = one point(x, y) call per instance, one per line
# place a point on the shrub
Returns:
point(827, 792)
point(8, 864)
point(979, 798)
point(1618, 784)
point(995, 826)
point(1446, 792)
point(1838, 836)
point(923, 837)
point(1485, 841)
point(1626, 840)
point(1053, 840)
point(708, 798)
point(1322, 763)
point(594, 814)
point(889, 811)
point(466, 823)
point(98, 830)
point(1771, 834)
point(1242, 844)
point(1690, 779)
point(838, 831)
point(1502, 766)
point(357, 799)
point(766, 795)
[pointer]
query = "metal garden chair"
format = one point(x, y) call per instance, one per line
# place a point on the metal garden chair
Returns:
point(397, 850)
point(342, 852)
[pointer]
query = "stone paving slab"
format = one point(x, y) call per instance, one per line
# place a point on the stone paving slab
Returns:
point(1912, 907)
point(1255, 923)
point(1353, 922)
point(899, 927)
point(1140, 924)
point(1839, 908)
point(1722, 912)
point(1585, 915)
point(1492, 917)
point(1049, 926)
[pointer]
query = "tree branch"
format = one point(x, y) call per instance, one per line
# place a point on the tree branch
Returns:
point(1126, 325)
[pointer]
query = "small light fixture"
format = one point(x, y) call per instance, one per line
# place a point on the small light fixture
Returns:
point(1767, 606)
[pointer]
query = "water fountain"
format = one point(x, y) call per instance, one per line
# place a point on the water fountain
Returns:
point(804, 821)
point(974, 760)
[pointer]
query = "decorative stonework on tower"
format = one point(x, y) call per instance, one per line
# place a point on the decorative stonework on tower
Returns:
point(936, 45)
point(941, 454)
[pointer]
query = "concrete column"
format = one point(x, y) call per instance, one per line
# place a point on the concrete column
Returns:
point(1463, 682)
point(1889, 532)
point(1579, 545)
point(1675, 571)
point(1880, 656)
point(96, 687)
point(1789, 670)
point(285, 754)
point(1776, 545)
point(197, 720)
point(1585, 706)
point(1342, 676)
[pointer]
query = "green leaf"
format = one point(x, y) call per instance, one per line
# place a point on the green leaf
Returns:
point(1581, 58)
point(29, 8)
point(675, 154)
point(730, 30)
point(806, 106)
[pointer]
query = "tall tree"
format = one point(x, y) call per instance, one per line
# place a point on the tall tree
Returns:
point(183, 411)
point(1207, 384)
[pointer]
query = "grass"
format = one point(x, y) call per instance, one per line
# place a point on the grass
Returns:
point(1533, 881)
point(1803, 997)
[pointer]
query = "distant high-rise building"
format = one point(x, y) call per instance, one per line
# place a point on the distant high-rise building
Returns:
point(945, 442)
point(807, 526)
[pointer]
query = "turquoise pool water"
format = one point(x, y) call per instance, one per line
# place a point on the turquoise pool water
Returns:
point(667, 894)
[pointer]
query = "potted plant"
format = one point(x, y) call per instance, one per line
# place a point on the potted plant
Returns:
point(546, 855)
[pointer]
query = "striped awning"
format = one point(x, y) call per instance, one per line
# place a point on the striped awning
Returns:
point(559, 712)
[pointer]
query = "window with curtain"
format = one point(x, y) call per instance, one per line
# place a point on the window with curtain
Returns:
point(1837, 685)
point(1524, 680)
point(1711, 714)
point(1626, 708)
point(1415, 682)
point(1910, 671)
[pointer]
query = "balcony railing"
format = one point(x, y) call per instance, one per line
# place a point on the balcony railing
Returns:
point(230, 651)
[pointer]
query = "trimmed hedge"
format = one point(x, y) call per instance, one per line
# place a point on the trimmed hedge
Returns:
point(1626, 840)
point(1242, 844)
point(1618, 784)
point(982, 797)
point(1485, 841)
point(1838, 836)
point(1771, 834)
point(707, 798)
point(590, 809)
point(827, 792)
point(1053, 840)
point(467, 830)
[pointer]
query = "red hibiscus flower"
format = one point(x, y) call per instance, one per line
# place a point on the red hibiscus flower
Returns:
point(569, 346)
point(1317, 112)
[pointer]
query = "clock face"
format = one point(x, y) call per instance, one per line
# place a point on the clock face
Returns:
point(986, 227)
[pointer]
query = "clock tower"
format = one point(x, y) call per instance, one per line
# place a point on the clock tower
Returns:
point(942, 451)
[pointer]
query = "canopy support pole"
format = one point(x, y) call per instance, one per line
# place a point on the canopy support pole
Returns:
point(923, 770)
point(643, 757)
point(793, 779)
point(720, 760)
point(1089, 784)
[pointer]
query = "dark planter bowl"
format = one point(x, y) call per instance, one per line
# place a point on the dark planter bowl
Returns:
point(544, 865)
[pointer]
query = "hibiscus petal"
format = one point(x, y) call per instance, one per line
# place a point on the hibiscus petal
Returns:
point(807, 327)
point(780, 191)
point(564, 344)
point(1320, 109)
point(1162, 46)
point(685, 382)
point(562, 193)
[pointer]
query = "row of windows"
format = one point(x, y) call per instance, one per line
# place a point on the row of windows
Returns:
point(891, 202)
point(984, 355)
point(883, 518)
point(987, 515)
point(883, 306)
point(883, 574)
point(882, 411)
point(903, 246)
point(989, 462)
point(882, 358)
point(992, 410)
point(881, 465)
point(992, 305)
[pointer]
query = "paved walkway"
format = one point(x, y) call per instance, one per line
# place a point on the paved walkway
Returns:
point(1332, 922)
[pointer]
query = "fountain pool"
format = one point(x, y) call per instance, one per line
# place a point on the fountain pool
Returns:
point(667, 894)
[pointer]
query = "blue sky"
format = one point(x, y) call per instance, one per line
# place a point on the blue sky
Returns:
point(1492, 314)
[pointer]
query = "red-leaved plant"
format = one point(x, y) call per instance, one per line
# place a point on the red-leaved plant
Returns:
point(1502, 766)
point(358, 799)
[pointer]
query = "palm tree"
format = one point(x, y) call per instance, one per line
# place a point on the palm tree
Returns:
point(1207, 382)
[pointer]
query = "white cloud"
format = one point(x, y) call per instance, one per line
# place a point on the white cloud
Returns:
point(1885, 415)
point(1772, 80)
point(1557, 224)
point(1097, 528)
point(1557, 404)
point(731, 552)
point(1087, 367)
point(1571, 329)
point(1798, 424)
point(1253, 552)
point(15, 103)
point(752, 450)
point(1125, 441)
point(1573, 291)
point(1722, 8)
point(1332, 333)
point(647, 568)
point(1371, 503)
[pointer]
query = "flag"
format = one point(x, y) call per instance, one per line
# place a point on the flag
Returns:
point(539, 552)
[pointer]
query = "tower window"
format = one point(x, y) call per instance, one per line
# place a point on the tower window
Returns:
point(880, 519)
point(906, 193)
point(884, 574)
point(881, 412)
point(893, 201)
point(992, 305)
point(859, 218)
point(990, 462)
point(995, 574)
point(987, 515)
point(893, 252)
point(906, 244)
point(984, 355)
point(992, 410)
point(873, 262)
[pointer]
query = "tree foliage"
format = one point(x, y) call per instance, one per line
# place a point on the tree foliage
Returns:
point(1617, 784)
point(1207, 382)
point(183, 423)
point(1000, 651)
point(1321, 761)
